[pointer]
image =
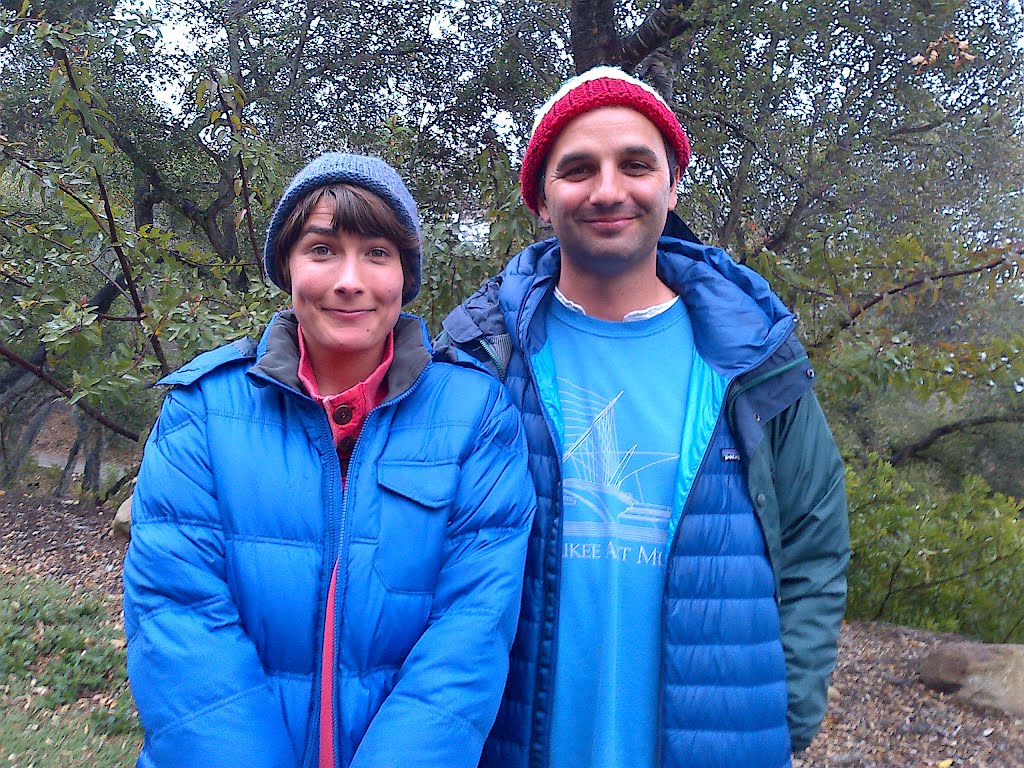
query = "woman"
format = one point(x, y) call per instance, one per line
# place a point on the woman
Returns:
point(329, 528)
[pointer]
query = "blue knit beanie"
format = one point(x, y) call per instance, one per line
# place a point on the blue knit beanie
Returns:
point(372, 174)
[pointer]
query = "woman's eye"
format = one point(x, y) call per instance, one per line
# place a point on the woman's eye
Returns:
point(379, 254)
point(320, 250)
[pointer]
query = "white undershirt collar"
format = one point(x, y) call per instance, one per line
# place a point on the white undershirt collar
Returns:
point(636, 314)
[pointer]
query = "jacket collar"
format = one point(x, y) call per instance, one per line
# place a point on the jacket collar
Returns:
point(277, 355)
point(738, 322)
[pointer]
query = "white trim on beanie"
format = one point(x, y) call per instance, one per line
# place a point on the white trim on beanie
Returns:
point(592, 74)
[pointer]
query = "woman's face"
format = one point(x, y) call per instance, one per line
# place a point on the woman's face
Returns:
point(347, 293)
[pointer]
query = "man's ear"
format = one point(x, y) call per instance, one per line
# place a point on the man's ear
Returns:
point(673, 198)
point(542, 209)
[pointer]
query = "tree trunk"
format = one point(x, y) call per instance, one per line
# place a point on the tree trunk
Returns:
point(69, 467)
point(592, 34)
point(92, 476)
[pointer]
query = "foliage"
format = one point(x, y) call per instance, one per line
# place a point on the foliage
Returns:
point(58, 648)
point(124, 195)
point(866, 158)
point(112, 298)
point(941, 561)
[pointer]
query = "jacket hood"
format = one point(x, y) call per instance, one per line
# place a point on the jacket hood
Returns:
point(738, 322)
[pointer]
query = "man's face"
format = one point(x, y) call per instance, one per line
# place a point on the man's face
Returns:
point(607, 191)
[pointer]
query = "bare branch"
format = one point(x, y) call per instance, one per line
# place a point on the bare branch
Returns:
point(910, 450)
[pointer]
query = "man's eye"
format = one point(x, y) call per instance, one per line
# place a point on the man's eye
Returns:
point(575, 172)
point(636, 166)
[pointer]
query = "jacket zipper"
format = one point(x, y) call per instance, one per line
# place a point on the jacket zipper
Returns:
point(499, 365)
point(342, 585)
point(312, 750)
point(555, 537)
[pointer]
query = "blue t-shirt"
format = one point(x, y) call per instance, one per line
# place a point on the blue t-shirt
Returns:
point(621, 389)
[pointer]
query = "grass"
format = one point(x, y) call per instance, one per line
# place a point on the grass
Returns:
point(64, 695)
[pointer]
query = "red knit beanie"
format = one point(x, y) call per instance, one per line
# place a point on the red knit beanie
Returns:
point(595, 88)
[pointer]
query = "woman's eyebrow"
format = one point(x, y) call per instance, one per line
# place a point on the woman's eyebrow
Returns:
point(315, 230)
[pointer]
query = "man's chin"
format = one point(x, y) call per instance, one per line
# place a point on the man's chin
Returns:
point(611, 263)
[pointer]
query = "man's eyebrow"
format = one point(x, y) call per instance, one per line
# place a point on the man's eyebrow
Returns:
point(640, 150)
point(572, 157)
point(636, 150)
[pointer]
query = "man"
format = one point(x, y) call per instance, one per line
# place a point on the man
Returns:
point(686, 575)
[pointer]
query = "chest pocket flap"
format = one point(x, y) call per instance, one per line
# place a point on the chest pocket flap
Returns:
point(413, 522)
point(432, 485)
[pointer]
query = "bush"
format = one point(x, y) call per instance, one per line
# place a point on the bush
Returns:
point(928, 558)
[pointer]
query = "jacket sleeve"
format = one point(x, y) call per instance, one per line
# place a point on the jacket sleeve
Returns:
point(815, 553)
point(198, 683)
point(448, 690)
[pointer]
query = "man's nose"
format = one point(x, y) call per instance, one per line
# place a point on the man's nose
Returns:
point(608, 188)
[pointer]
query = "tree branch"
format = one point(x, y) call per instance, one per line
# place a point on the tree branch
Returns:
point(971, 106)
point(784, 234)
point(20, 361)
point(120, 318)
point(236, 109)
point(739, 179)
point(122, 257)
point(658, 29)
point(910, 450)
point(300, 46)
point(858, 311)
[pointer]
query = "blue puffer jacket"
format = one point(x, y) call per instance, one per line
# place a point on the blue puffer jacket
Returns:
point(793, 481)
point(239, 516)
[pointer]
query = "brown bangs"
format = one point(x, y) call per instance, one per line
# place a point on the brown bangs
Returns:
point(356, 210)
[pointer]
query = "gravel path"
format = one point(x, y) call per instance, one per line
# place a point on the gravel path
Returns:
point(880, 716)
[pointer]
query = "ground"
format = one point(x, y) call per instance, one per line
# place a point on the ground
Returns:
point(880, 716)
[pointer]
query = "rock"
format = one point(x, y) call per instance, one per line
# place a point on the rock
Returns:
point(986, 675)
point(122, 525)
point(849, 760)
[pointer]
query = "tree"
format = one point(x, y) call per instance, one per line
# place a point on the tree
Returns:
point(866, 158)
